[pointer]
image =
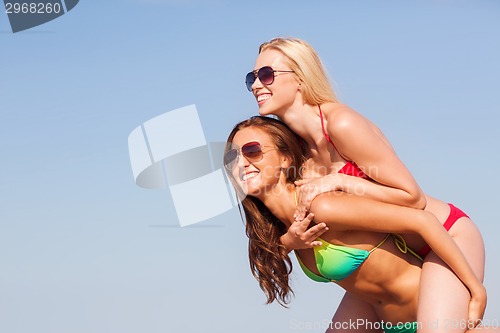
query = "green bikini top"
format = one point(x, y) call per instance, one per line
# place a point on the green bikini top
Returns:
point(336, 262)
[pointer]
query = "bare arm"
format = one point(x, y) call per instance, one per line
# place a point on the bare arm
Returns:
point(342, 211)
point(360, 141)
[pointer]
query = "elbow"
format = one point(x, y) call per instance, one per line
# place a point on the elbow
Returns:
point(419, 201)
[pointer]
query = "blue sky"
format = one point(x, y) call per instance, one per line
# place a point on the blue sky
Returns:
point(83, 249)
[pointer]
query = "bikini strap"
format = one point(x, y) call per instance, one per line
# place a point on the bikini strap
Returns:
point(323, 127)
point(379, 244)
point(401, 245)
point(325, 133)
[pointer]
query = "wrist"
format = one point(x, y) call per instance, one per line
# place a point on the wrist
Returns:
point(341, 182)
point(478, 291)
point(283, 241)
point(334, 182)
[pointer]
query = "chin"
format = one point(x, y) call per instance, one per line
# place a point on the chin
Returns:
point(241, 191)
point(253, 190)
point(263, 111)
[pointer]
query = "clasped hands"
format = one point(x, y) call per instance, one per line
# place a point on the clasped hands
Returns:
point(299, 235)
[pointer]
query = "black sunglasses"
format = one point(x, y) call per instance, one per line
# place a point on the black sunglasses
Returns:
point(251, 150)
point(265, 74)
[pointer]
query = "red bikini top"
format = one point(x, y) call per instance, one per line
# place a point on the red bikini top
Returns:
point(350, 168)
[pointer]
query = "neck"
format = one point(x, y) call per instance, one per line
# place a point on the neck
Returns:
point(305, 121)
point(281, 202)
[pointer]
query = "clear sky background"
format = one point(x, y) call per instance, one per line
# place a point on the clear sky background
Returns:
point(83, 249)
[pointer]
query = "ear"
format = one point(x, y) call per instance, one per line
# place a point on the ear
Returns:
point(286, 161)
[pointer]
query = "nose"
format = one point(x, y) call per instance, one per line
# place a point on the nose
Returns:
point(242, 161)
point(256, 84)
point(240, 165)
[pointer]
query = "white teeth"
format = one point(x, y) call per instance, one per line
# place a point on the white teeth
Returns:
point(263, 97)
point(249, 175)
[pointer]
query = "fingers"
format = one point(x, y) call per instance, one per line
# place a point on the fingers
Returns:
point(476, 313)
point(308, 218)
point(311, 235)
point(303, 237)
point(301, 182)
point(306, 195)
point(318, 230)
point(302, 223)
point(300, 213)
point(300, 210)
point(302, 207)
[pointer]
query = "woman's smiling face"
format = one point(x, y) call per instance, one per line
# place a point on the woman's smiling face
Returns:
point(256, 175)
point(280, 95)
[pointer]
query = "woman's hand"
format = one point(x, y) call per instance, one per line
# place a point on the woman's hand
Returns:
point(477, 306)
point(299, 237)
point(311, 188)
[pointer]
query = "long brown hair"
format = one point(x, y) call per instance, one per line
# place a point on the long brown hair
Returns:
point(269, 260)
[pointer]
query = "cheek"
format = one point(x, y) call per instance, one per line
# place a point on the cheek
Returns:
point(271, 174)
point(235, 176)
point(239, 186)
point(287, 92)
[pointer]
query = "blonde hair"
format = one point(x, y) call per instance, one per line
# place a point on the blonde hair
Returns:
point(305, 62)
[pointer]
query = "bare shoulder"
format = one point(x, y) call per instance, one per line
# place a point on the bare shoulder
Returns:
point(329, 205)
point(341, 117)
